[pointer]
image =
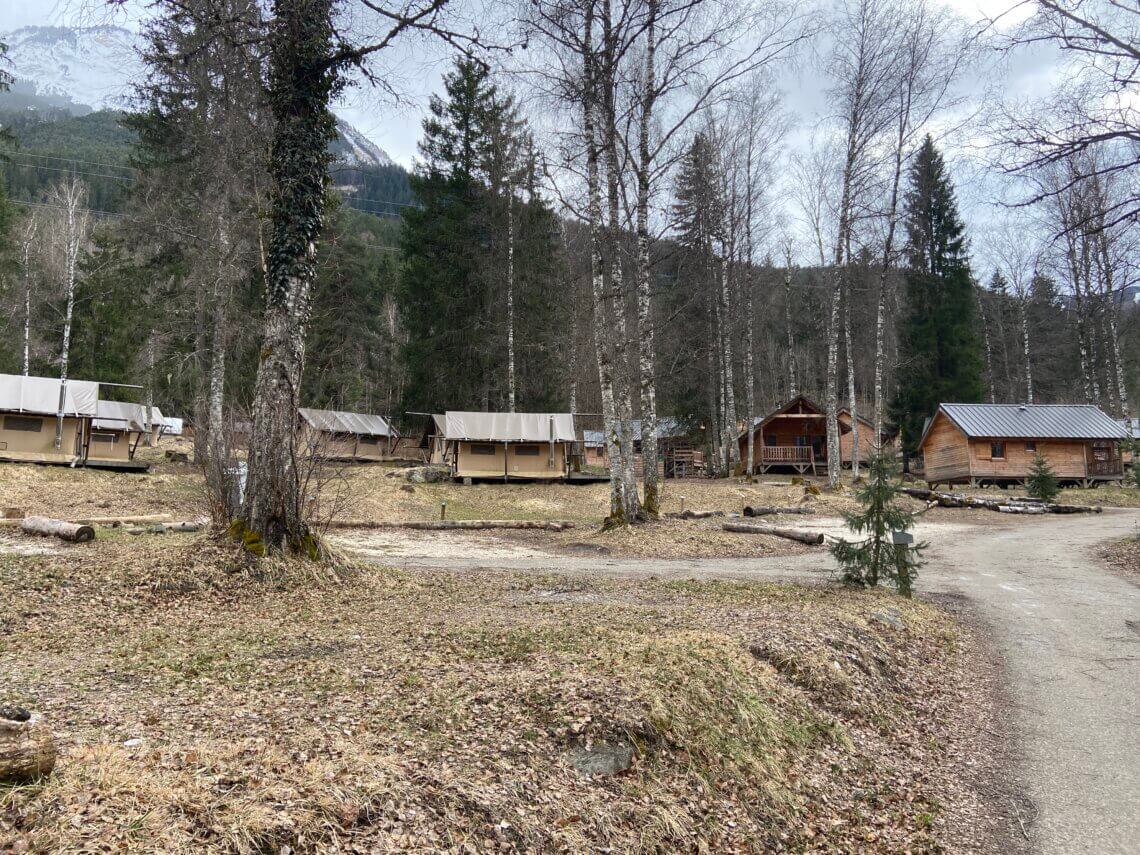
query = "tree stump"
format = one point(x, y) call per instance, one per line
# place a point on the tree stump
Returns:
point(27, 747)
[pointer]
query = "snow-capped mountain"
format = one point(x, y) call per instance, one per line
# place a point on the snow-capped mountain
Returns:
point(97, 67)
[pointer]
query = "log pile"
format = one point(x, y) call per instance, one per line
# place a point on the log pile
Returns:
point(1003, 504)
point(812, 538)
point(27, 747)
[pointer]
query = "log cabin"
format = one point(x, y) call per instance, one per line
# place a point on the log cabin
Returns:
point(866, 432)
point(676, 455)
point(28, 413)
point(508, 446)
point(340, 435)
point(115, 433)
point(792, 438)
point(994, 444)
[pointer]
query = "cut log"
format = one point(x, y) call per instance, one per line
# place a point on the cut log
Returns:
point(27, 747)
point(452, 525)
point(693, 515)
point(183, 526)
point(48, 527)
point(813, 538)
point(105, 521)
point(763, 511)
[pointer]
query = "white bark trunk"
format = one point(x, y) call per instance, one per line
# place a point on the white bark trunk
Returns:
point(988, 345)
point(26, 241)
point(511, 300)
point(732, 450)
point(793, 388)
point(852, 404)
point(73, 194)
point(1026, 352)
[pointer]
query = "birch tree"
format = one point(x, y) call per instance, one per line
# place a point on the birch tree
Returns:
point(1017, 250)
point(70, 196)
point(27, 240)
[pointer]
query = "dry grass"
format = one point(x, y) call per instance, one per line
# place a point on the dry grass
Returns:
point(201, 709)
point(1123, 557)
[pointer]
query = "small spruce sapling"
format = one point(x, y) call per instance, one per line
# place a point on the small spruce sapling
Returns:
point(875, 557)
point(1042, 482)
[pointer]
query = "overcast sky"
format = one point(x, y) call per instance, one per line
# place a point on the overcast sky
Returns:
point(415, 69)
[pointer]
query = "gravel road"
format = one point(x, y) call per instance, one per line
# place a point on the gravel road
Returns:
point(1068, 630)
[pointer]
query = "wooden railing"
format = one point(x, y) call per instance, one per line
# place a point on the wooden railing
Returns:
point(786, 454)
point(1105, 467)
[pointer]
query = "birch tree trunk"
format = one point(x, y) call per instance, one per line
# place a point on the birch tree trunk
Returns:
point(26, 240)
point(510, 299)
point(645, 356)
point(72, 194)
point(1022, 304)
point(728, 440)
point(301, 86)
point(793, 388)
point(852, 404)
point(149, 402)
point(622, 385)
point(989, 347)
point(602, 337)
point(1107, 276)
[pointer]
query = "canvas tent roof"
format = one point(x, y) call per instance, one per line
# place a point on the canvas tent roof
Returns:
point(1033, 421)
point(173, 425)
point(119, 415)
point(509, 427)
point(337, 421)
point(40, 395)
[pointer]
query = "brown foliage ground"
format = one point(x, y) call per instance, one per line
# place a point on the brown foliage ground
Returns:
point(201, 709)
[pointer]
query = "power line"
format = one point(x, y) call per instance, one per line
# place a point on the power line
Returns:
point(78, 172)
point(22, 153)
point(64, 208)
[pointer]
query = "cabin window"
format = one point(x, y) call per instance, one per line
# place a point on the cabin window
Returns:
point(1031, 447)
point(369, 440)
point(104, 437)
point(997, 450)
point(482, 448)
point(526, 451)
point(23, 423)
point(770, 439)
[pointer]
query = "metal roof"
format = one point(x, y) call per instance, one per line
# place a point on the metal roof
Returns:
point(667, 427)
point(336, 421)
point(1034, 421)
point(509, 427)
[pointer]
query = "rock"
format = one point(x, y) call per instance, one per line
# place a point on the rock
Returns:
point(14, 713)
point(177, 456)
point(602, 758)
point(891, 617)
point(427, 474)
point(408, 488)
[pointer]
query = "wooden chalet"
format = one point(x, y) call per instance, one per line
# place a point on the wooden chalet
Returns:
point(508, 446)
point(792, 438)
point(981, 444)
point(339, 435)
point(677, 457)
point(867, 446)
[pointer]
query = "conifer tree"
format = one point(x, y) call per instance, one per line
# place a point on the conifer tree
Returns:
point(1042, 482)
point(876, 557)
point(941, 353)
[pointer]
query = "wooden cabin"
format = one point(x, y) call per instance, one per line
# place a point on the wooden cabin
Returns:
point(506, 446)
point(339, 435)
point(982, 444)
point(28, 412)
point(676, 456)
point(792, 438)
point(116, 431)
point(867, 447)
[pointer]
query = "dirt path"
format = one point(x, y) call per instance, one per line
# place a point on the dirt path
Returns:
point(1065, 627)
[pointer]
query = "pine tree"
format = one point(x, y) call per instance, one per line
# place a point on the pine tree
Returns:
point(876, 557)
point(474, 250)
point(941, 358)
point(1042, 482)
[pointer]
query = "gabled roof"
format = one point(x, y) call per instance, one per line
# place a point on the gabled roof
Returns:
point(120, 415)
point(667, 428)
point(337, 421)
point(805, 403)
point(40, 395)
point(509, 427)
point(1031, 421)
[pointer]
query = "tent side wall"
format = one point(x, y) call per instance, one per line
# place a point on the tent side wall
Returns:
point(109, 444)
point(28, 437)
point(511, 460)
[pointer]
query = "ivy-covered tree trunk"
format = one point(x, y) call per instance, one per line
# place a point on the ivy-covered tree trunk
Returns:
point(301, 86)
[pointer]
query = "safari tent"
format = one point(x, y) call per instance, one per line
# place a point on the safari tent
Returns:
point(338, 435)
point(115, 433)
point(995, 443)
point(522, 446)
point(28, 410)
